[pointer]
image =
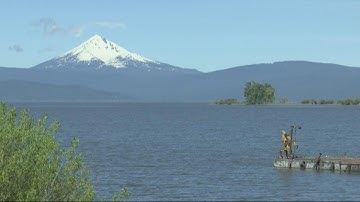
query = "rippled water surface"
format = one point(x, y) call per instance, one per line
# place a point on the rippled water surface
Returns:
point(207, 152)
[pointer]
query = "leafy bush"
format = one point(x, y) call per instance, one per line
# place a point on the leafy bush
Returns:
point(32, 165)
point(305, 102)
point(326, 102)
point(228, 101)
point(314, 102)
point(355, 101)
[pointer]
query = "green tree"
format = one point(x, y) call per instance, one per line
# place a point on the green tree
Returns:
point(32, 165)
point(257, 93)
point(269, 93)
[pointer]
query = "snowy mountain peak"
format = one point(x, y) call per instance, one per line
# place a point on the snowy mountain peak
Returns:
point(98, 53)
point(111, 54)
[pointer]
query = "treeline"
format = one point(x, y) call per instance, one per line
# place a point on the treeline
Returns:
point(283, 100)
point(228, 101)
point(348, 101)
point(257, 93)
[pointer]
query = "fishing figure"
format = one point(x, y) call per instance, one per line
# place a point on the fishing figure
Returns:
point(287, 142)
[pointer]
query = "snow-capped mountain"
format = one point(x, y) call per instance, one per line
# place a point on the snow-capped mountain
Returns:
point(98, 48)
point(99, 53)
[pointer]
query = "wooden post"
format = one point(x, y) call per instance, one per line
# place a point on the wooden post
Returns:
point(291, 141)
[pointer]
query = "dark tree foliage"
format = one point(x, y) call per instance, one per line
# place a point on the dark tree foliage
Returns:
point(257, 93)
point(33, 167)
point(228, 101)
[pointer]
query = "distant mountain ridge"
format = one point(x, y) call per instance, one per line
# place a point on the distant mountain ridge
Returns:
point(99, 69)
point(296, 80)
point(19, 90)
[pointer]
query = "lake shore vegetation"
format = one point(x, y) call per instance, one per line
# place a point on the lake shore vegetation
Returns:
point(256, 93)
point(34, 167)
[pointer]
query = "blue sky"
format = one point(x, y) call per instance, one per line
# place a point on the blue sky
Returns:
point(204, 34)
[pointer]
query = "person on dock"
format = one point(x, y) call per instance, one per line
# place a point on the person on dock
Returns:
point(317, 162)
point(286, 146)
point(287, 142)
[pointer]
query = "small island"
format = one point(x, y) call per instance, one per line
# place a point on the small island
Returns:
point(256, 93)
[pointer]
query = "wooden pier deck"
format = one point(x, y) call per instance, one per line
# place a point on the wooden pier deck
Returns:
point(343, 164)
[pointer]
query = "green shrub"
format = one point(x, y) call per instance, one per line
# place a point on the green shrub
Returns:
point(305, 102)
point(228, 101)
point(326, 102)
point(348, 101)
point(32, 165)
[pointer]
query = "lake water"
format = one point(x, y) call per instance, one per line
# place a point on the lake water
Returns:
point(207, 152)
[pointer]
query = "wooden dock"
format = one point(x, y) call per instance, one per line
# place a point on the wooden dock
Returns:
point(288, 159)
point(342, 164)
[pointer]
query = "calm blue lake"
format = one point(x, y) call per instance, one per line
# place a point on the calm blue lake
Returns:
point(207, 152)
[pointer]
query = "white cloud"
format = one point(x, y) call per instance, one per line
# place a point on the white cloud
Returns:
point(76, 30)
point(51, 27)
point(16, 47)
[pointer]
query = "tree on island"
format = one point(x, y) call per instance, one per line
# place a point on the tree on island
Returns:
point(257, 93)
point(33, 167)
